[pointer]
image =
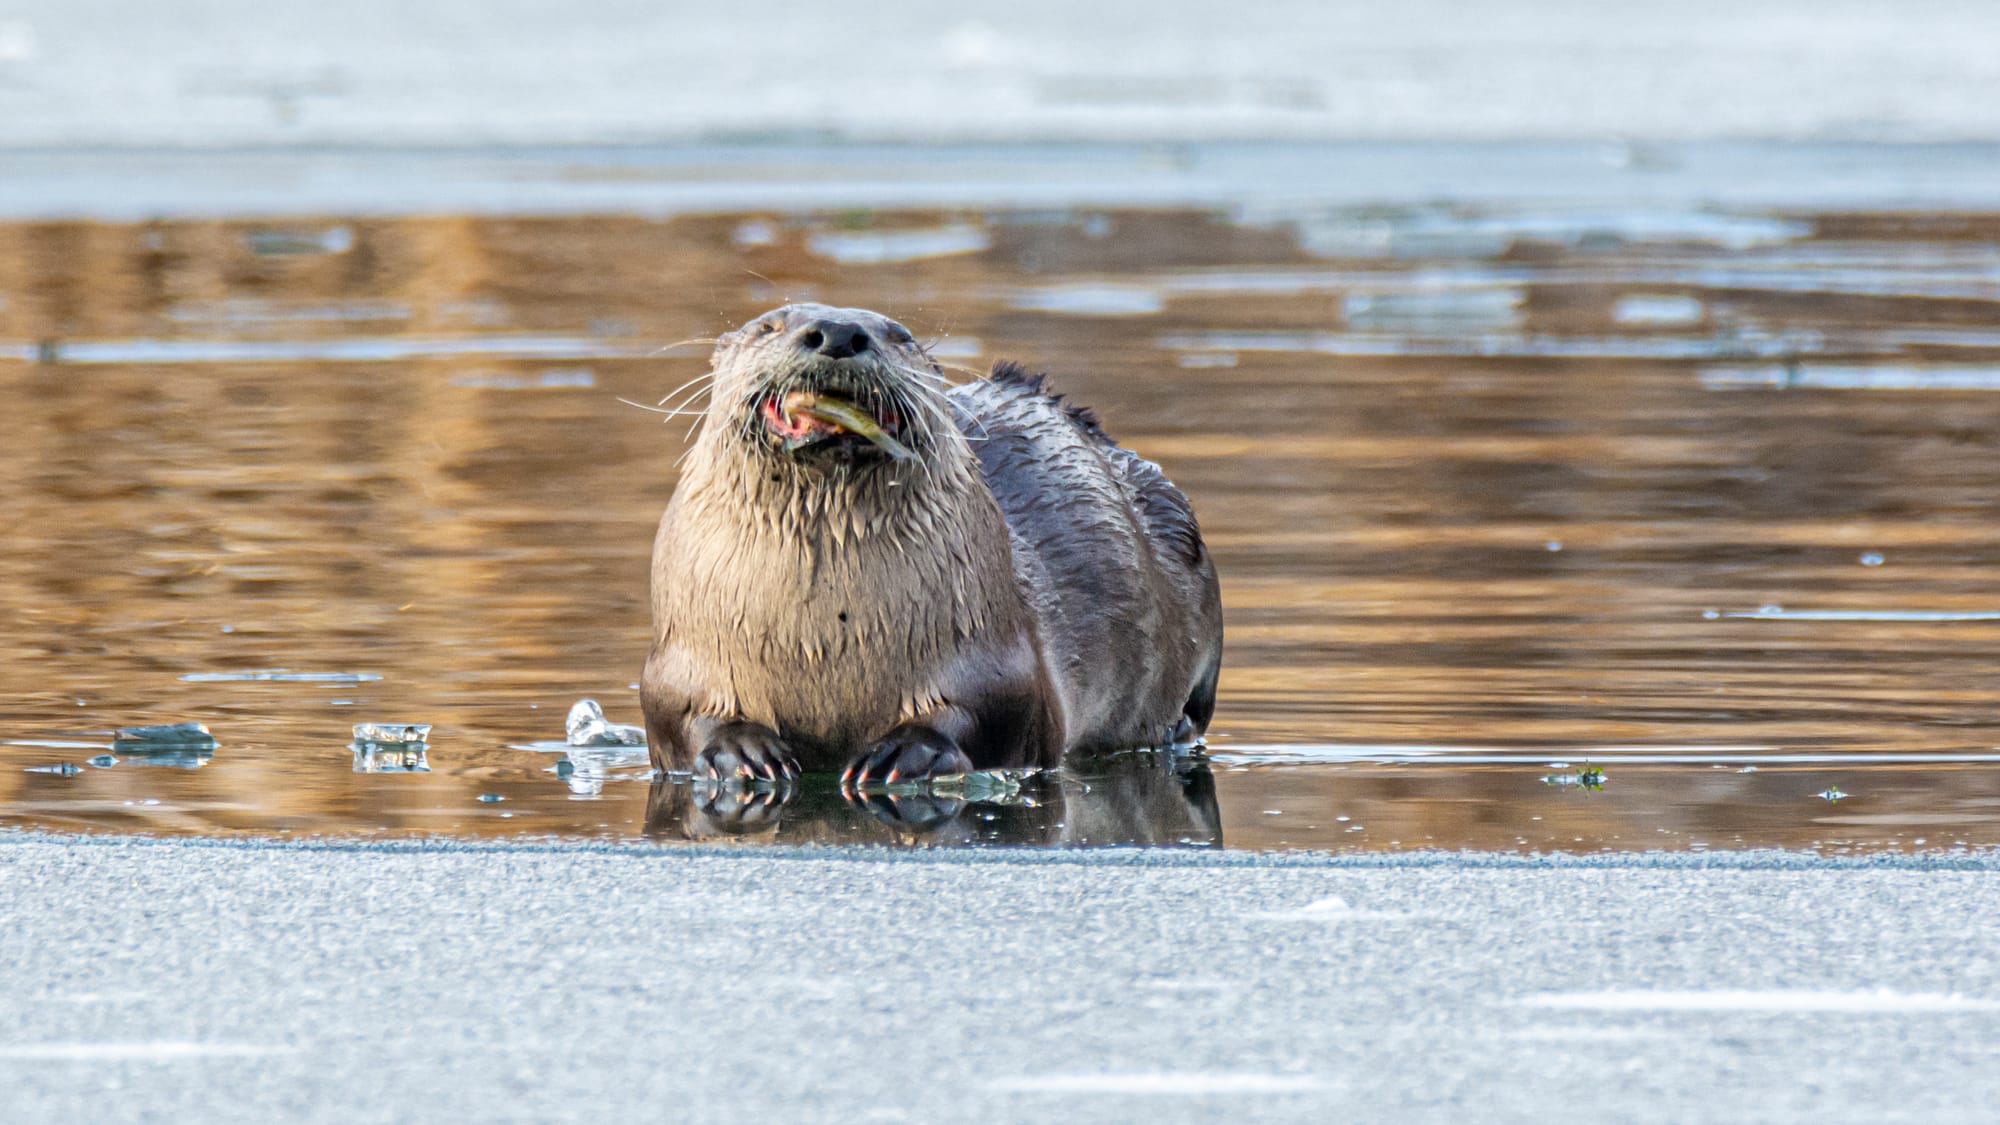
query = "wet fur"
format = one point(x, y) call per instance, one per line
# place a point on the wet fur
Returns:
point(1109, 558)
point(1025, 574)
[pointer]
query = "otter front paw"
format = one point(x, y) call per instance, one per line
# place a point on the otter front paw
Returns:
point(909, 753)
point(745, 752)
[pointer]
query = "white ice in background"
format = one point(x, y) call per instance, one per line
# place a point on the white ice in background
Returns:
point(1206, 359)
point(1440, 342)
point(976, 45)
point(552, 378)
point(875, 247)
point(1779, 613)
point(1434, 311)
point(1334, 909)
point(1657, 309)
point(260, 310)
point(1854, 377)
point(382, 72)
point(1177, 1082)
point(153, 1051)
point(1444, 232)
point(355, 349)
point(17, 43)
point(754, 232)
point(954, 347)
point(1091, 299)
point(1760, 1000)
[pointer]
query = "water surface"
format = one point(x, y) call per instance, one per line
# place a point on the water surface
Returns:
point(1539, 529)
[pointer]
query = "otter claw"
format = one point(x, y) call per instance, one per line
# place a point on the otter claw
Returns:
point(910, 753)
point(744, 753)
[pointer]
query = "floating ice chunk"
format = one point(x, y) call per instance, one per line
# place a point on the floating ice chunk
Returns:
point(280, 675)
point(187, 745)
point(392, 732)
point(587, 726)
point(1589, 777)
point(390, 757)
point(169, 734)
point(587, 767)
point(391, 747)
point(59, 769)
point(990, 786)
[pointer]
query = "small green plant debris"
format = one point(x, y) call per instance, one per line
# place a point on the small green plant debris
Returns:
point(1586, 777)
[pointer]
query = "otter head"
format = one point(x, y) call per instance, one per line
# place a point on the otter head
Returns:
point(821, 388)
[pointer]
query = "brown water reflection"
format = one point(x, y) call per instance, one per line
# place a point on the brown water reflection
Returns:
point(1488, 491)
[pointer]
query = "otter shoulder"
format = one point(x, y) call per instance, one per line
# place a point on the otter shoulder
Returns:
point(1017, 422)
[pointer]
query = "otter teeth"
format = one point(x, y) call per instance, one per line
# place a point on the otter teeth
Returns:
point(805, 413)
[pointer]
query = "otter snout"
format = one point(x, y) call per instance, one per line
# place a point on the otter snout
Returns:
point(825, 386)
point(829, 338)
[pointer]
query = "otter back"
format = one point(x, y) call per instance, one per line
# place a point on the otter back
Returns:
point(1109, 558)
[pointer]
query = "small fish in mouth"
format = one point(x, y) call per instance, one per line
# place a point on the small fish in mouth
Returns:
point(805, 418)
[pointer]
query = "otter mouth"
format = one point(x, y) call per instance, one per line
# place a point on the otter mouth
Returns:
point(802, 420)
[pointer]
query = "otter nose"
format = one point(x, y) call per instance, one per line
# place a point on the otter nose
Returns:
point(834, 339)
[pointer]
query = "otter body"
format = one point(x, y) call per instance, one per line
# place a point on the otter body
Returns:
point(959, 578)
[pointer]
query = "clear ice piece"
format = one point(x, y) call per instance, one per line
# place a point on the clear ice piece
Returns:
point(591, 766)
point(389, 733)
point(163, 737)
point(587, 726)
point(59, 769)
point(1003, 786)
point(389, 757)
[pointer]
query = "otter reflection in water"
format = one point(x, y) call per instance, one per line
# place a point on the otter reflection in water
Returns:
point(1130, 799)
point(865, 568)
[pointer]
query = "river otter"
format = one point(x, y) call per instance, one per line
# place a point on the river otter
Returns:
point(863, 566)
